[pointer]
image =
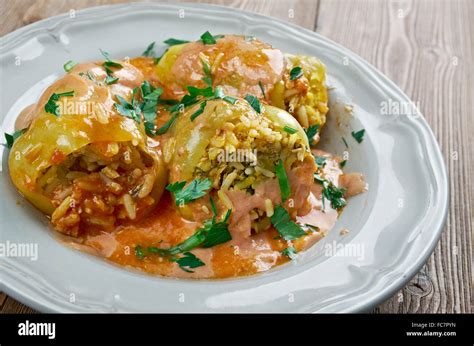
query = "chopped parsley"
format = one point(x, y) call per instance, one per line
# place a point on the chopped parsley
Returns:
point(150, 50)
point(311, 132)
point(296, 72)
point(51, 106)
point(163, 129)
point(359, 135)
point(174, 42)
point(262, 89)
point(320, 161)
point(207, 38)
point(289, 252)
point(331, 192)
point(108, 65)
point(312, 228)
point(217, 232)
point(127, 109)
point(188, 261)
point(288, 229)
point(69, 65)
point(334, 195)
point(196, 189)
point(211, 234)
point(147, 107)
point(207, 72)
point(139, 252)
point(200, 110)
point(89, 76)
point(254, 102)
point(11, 138)
point(285, 189)
point(290, 130)
point(345, 143)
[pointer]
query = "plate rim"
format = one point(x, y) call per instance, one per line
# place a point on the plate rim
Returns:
point(430, 144)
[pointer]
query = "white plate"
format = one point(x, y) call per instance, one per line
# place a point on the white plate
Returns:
point(397, 223)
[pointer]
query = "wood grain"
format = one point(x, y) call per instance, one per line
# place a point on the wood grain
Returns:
point(427, 48)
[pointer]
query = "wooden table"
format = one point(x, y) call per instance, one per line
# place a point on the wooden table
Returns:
point(427, 48)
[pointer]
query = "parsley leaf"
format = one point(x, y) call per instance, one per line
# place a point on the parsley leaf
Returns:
point(285, 189)
point(197, 113)
point(139, 252)
point(167, 125)
point(188, 260)
point(127, 109)
point(343, 163)
point(174, 42)
point(288, 229)
point(296, 72)
point(345, 143)
point(254, 102)
point(207, 38)
point(69, 65)
point(311, 132)
point(211, 234)
point(334, 194)
point(196, 189)
point(11, 138)
point(150, 50)
point(289, 252)
point(320, 161)
point(217, 232)
point(289, 129)
point(262, 89)
point(331, 192)
point(359, 135)
point(51, 106)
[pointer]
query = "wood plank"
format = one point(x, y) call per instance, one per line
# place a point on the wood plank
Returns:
point(20, 13)
point(427, 48)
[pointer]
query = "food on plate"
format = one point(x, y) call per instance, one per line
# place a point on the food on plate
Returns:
point(244, 65)
point(199, 163)
point(81, 162)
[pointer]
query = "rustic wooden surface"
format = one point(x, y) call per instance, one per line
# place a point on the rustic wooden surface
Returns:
point(427, 48)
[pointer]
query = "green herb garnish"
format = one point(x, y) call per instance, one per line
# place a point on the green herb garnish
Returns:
point(290, 130)
point(288, 229)
point(174, 42)
point(150, 50)
point(167, 125)
point(211, 234)
point(331, 192)
point(262, 89)
point(51, 106)
point(345, 143)
point(312, 228)
point(196, 189)
point(296, 72)
point(69, 65)
point(311, 132)
point(207, 38)
point(334, 194)
point(359, 135)
point(283, 181)
point(254, 102)
point(289, 252)
point(188, 260)
point(320, 161)
point(197, 113)
point(343, 163)
point(139, 252)
point(11, 138)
